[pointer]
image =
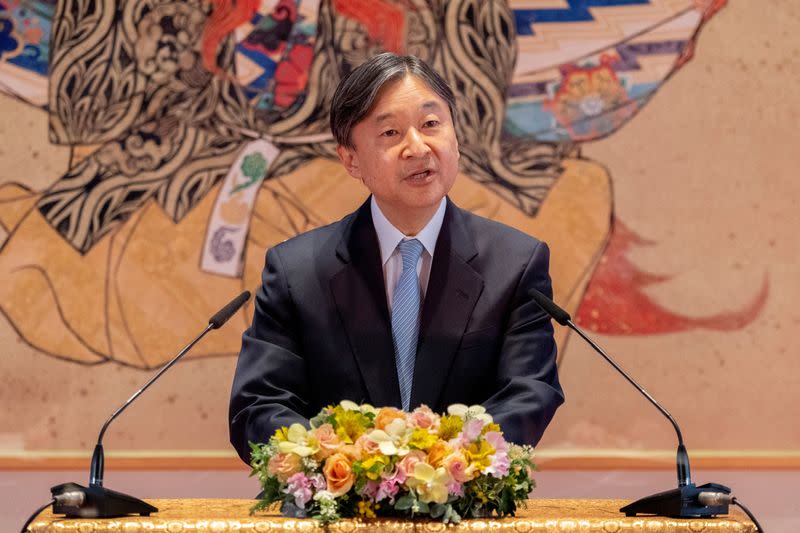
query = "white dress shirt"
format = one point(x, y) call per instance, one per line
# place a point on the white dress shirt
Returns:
point(389, 237)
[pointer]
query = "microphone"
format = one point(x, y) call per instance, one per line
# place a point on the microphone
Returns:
point(97, 501)
point(688, 500)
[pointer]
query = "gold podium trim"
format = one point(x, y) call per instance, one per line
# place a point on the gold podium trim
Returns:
point(565, 516)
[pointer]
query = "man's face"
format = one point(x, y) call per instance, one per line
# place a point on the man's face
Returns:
point(406, 152)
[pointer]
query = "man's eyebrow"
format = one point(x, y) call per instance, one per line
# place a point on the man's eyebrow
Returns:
point(430, 105)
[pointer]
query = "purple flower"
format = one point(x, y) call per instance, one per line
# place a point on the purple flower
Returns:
point(388, 489)
point(454, 488)
point(371, 490)
point(318, 481)
point(299, 486)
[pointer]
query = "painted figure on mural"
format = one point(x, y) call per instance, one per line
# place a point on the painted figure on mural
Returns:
point(161, 102)
point(412, 300)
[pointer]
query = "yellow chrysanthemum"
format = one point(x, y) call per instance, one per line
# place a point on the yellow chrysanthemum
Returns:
point(490, 427)
point(450, 426)
point(422, 440)
point(281, 434)
point(477, 454)
point(373, 466)
point(349, 425)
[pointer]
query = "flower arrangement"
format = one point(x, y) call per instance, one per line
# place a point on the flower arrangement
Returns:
point(359, 461)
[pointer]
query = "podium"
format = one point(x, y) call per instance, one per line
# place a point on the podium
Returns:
point(564, 516)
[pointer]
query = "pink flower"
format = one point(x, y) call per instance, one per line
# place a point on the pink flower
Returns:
point(371, 490)
point(367, 445)
point(472, 430)
point(454, 488)
point(499, 461)
point(407, 464)
point(388, 489)
point(284, 465)
point(329, 442)
point(456, 465)
point(299, 486)
point(423, 418)
point(318, 481)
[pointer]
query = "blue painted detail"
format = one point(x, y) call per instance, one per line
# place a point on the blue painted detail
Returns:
point(578, 11)
point(267, 64)
point(628, 52)
point(8, 41)
point(31, 59)
point(526, 120)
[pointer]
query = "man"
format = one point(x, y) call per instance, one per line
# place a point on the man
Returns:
point(409, 300)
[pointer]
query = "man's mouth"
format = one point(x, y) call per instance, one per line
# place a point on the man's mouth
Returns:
point(420, 176)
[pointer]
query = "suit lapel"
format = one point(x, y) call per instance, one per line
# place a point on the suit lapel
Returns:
point(453, 290)
point(360, 297)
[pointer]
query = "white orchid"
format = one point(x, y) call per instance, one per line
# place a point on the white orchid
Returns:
point(477, 412)
point(394, 439)
point(299, 441)
point(430, 483)
point(347, 405)
point(364, 409)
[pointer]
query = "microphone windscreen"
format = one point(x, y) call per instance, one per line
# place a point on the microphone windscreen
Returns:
point(549, 306)
point(226, 312)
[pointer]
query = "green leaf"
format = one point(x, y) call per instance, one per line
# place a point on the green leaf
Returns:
point(405, 502)
point(451, 516)
point(438, 509)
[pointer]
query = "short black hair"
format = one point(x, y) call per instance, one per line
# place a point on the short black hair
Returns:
point(356, 93)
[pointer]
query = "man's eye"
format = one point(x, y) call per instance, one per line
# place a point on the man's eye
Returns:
point(389, 133)
point(431, 123)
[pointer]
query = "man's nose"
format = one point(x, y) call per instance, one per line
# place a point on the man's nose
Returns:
point(416, 146)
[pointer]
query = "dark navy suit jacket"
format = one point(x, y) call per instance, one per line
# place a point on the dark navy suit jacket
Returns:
point(321, 330)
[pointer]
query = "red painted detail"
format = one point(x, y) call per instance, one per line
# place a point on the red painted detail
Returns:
point(291, 75)
point(226, 16)
point(590, 100)
point(615, 304)
point(384, 21)
point(710, 7)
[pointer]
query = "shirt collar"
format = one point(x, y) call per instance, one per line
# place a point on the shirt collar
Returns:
point(389, 236)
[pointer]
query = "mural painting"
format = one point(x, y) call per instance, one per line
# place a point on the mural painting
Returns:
point(183, 139)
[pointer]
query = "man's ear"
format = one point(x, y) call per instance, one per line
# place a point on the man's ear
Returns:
point(349, 159)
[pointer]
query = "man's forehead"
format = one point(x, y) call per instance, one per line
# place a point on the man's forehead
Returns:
point(379, 115)
point(394, 96)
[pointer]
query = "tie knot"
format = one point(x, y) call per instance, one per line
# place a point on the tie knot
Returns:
point(410, 251)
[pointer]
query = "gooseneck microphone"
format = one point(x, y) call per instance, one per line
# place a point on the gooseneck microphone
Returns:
point(687, 500)
point(97, 501)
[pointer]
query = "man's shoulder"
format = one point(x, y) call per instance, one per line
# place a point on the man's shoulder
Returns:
point(497, 234)
point(312, 242)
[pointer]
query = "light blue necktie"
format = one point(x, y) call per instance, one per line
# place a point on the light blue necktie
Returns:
point(405, 317)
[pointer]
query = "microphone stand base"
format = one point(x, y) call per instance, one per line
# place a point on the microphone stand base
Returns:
point(678, 503)
point(99, 502)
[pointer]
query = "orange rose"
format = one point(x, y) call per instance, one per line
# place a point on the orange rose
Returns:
point(386, 415)
point(328, 441)
point(338, 474)
point(437, 453)
point(351, 451)
point(284, 465)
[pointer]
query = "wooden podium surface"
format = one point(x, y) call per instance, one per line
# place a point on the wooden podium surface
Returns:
point(217, 515)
